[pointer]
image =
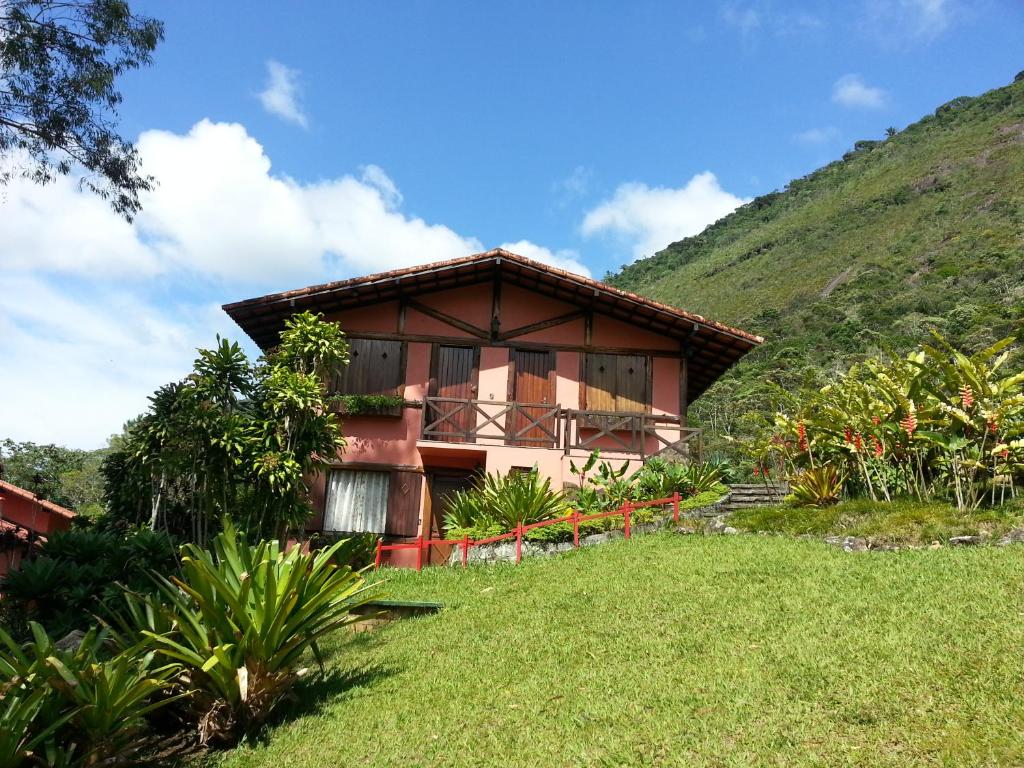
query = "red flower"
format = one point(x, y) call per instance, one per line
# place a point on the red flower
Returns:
point(848, 435)
point(801, 432)
point(992, 427)
point(875, 420)
point(757, 471)
point(879, 449)
point(909, 423)
point(857, 442)
point(966, 396)
point(1005, 453)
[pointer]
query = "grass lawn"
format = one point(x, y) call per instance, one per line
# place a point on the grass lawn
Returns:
point(681, 650)
point(901, 522)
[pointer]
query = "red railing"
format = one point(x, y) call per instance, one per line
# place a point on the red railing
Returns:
point(626, 510)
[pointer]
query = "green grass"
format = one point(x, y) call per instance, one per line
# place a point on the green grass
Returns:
point(901, 522)
point(683, 651)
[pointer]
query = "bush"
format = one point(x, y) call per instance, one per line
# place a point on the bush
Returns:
point(243, 616)
point(78, 575)
point(816, 487)
point(503, 502)
point(81, 706)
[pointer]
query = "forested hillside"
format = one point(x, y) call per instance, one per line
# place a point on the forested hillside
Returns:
point(922, 229)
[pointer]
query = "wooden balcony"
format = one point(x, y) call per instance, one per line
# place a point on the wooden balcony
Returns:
point(541, 425)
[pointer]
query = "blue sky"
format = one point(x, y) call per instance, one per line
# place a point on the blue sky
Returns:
point(301, 142)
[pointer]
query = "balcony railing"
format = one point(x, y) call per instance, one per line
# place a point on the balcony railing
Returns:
point(541, 425)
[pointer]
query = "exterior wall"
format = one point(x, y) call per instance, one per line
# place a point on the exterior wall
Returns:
point(19, 507)
point(380, 441)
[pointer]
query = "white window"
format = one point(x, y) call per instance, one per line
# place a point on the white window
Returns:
point(357, 501)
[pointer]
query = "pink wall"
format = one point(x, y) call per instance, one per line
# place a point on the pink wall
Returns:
point(395, 441)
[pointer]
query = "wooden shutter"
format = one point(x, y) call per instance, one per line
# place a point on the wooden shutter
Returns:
point(404, 504)
point(617, 382)
point(631, 383)
point(374, 368)
point(600, 377)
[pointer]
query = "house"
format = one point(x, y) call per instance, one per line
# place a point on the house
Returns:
point(25, 519)
point(493, 362)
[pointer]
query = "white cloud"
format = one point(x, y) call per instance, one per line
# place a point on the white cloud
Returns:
point(281, 95)
point(817, 135)
point(564, 258)
point(650, 218)
point(894, 22)
point(75, 368)
point(746, 19)
point(852, 91)
point(97, 313)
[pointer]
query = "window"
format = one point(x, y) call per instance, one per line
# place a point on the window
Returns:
point(357, 501)
point(375, 367)
point(617, 383)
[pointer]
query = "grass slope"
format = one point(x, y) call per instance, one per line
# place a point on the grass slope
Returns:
point(682, 651)
point(923, 229)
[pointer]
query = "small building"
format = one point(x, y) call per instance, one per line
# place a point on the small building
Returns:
point(26, 519)
point(496, 363)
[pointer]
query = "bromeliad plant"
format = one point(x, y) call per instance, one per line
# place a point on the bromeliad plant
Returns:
point(81, 706)
point(936, 424)
point(239, 620)
point(498, 503)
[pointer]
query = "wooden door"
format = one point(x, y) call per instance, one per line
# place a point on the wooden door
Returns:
point(452, 417)
point(533, 382)
point(441, 484)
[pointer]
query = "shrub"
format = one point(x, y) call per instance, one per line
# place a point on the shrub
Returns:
point(243, 616)
point(505, 501)
point(816, 487)
point(75, 706)
point(78, 575)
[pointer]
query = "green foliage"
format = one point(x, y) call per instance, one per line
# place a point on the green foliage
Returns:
point(502, 502)
point(80, 706)
point(818, 486)
point(659, 479)
point(65, 476)
point(936, 424)
point(59, 101)
point(243, 616)
point(355, 405)
point(830, 270)
point(233, 438)
point(902, 522)
point(79, 574)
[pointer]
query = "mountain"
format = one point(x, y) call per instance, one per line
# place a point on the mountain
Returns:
point(924, 229)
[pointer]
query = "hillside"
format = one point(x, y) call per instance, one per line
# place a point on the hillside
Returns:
point(922, 229)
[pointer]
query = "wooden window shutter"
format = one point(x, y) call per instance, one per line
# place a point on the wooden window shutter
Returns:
point(631, 383)
point(374, 368)
point(600, 378)
point(404, 504)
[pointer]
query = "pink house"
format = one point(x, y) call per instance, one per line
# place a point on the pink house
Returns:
point(24, 520)
point(494, 362)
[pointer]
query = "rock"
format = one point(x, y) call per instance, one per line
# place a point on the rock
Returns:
point(935, 545)
point(854, 544)
point(717, 525)
point(70, 641)
point(729, 531)
point(684, 531)
point(964, 541)
point(1016, 536)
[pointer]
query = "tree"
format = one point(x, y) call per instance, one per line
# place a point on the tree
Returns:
point(890, 132)
point(65, 476)
point(233, 438)
point(59, 61)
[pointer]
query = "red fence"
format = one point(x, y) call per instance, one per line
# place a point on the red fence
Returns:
point(626, 510)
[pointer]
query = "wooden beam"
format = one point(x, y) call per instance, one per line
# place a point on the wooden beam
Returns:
point(455, 322)
point(522, 330)
point(464, 342)
point(496, 304)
